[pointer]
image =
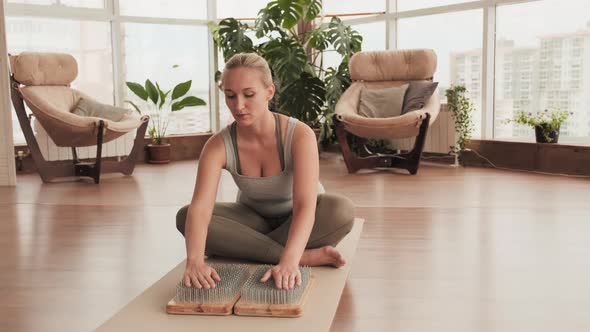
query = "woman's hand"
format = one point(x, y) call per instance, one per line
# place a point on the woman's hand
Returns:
point(286, 276)
point(200, 275)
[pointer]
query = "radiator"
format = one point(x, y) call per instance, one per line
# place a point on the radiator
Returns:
point(441, 135)
point(119, 147)
point(6, 154)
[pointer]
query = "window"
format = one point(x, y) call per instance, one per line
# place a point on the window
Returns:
point(83, 3)
point(150, 52)
point(240, 8)
point(419, 4)
point(336, 7)
point(535, 61)
point(416, 32)
point(88, 41)
point(185, 9)
point(576, 52)
point(34, 2)
point(373, 40)
point(69, 3)
point(551, 48)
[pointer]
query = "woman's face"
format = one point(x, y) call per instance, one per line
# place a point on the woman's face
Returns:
point(245, 94)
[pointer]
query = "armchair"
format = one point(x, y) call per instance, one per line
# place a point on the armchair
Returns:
point(41, 80)
point(377, 70)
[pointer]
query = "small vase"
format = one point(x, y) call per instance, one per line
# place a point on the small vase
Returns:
point(545, 135)
point(159, 154)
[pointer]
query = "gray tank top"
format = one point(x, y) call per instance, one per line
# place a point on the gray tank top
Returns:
point(270, 196)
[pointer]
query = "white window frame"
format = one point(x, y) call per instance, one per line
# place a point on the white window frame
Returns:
point(111, 14)
point(392, 16)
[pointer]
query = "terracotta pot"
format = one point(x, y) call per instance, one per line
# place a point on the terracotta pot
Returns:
point(545, 135)
point(159, 154)
point(317, 132)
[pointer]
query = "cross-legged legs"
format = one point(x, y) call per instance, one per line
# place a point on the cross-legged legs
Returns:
point(237, 231)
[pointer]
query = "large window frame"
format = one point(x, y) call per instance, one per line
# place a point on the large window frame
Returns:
point(111, 14)
point(391, 16)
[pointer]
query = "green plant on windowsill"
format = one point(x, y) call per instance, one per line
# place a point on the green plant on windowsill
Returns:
point(546, 123)
point(461, 110)
point(159, 104)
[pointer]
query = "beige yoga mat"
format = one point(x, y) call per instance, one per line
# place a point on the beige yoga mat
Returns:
point(147, 312)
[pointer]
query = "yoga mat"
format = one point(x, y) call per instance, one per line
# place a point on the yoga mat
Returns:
point(147, 312)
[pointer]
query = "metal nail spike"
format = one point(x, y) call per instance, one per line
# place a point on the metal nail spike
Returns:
point(232, 276)
point(255, 291)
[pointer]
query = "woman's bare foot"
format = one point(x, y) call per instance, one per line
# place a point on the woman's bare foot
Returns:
point(327, 255)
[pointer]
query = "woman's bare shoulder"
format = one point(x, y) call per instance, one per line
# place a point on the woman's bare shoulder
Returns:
point(303, 131)
point(304, 140)
point(214, 149)
point(216, 140)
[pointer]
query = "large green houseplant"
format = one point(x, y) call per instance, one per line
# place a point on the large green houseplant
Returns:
point(305, 89)
point(159, 104)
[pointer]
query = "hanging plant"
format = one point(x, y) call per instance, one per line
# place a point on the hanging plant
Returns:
point(461, 110)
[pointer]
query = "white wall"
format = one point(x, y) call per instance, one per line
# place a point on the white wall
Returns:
point(7, 167)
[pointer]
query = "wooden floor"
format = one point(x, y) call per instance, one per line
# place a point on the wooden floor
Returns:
point(450, 249)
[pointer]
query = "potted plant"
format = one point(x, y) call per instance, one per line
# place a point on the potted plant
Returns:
point(546, 123)
point(461, 110)
point(305, 89)
point(159, 104)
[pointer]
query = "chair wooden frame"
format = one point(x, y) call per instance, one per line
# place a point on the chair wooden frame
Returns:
point(49, 170)
point(369, 160)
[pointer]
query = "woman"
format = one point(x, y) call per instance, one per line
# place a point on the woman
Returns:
point(281, 215)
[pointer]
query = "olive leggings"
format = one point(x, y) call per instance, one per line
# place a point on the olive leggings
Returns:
point(237, 231)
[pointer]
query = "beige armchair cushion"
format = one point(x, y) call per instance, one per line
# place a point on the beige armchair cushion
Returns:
point(44, 68)
point(382, 103)
point(381, 69)
point(402, 65)
point(89, 107)
point(52, 105)
point(406, 125)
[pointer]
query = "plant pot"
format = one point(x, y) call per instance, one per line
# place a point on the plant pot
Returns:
point(543, 134)
point(317, 132)
point(159, 154)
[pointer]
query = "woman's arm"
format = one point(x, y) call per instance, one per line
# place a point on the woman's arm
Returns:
point(304, 153)
point(200, 210)
point(306, 172)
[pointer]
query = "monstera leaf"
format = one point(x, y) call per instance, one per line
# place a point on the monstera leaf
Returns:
point(311, 9)
point(287, 59)
point(291, 11)
point(214, 29)
point(233, 39)
point(303, 98)
point(317, 39)
point(345, 40)
point(268, 19)
point(337, 81)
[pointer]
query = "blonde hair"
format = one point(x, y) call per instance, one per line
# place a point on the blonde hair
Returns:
point(249, 60)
